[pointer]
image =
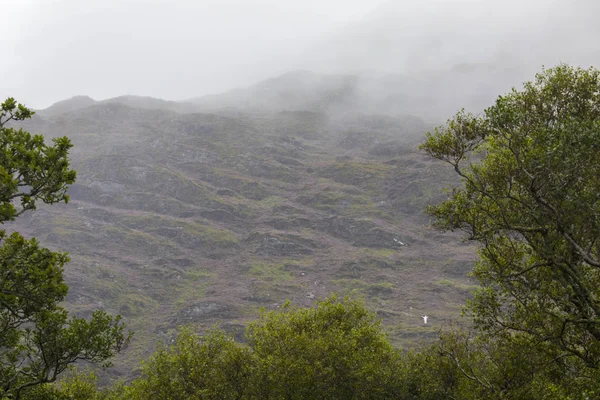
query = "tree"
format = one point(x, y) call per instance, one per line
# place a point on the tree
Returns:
point(468, 366)
point(38, 340)
point(335, 350)
point(530, 198)
point(209, 367)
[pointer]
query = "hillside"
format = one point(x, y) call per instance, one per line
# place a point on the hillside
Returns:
point(149, 103)
point(201, 218)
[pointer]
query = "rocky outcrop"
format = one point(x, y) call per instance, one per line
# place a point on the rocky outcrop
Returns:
point(281, 245)
point(201, 311)
point(220, 216)
point(361, 233)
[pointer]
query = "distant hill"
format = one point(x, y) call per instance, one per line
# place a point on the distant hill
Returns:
point(152, 103)
point(61, 107)
point(434, 95)
point(297, 90)
point(142, 102)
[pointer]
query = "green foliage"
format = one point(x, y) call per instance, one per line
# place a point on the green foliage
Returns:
point(531, 176)
point(75, 385)
point(31, 279)
point(38, 340)
point(465, 365)
point(208, 367)
point(30, 170)
point(335, 350)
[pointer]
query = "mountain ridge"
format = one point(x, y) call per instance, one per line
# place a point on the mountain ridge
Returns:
point(203, 218)
point(430, 94)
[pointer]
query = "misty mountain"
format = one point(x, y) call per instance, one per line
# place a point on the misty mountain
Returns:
point(297, 90)
point(432, 95)
point(199, 218)
point(205, 50)
point(142, 102)
point(291, 171)
point(64, 106)
point(410, 37)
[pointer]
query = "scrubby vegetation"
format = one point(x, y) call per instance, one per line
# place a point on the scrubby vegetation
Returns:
point(337, 350)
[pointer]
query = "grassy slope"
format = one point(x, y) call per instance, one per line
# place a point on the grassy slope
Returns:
point(202, 218)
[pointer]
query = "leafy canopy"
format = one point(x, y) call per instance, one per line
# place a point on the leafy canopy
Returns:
point(38, 340)
point(335, 350)
point(530, 198)
point(30, 170)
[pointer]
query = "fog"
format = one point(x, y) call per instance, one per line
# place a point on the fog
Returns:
point(180, 49)
point(413, 36)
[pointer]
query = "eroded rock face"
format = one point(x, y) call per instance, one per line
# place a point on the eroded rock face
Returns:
point(201, 311)
point(273, 246)
point(361, 233)
point(107, 186)
point(288, 161)
point(282, 245)
point(290, 222)
point(220, 216)
point(227, 192)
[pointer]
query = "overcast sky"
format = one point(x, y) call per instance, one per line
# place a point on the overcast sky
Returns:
point(178, 49)
point(173, 49)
